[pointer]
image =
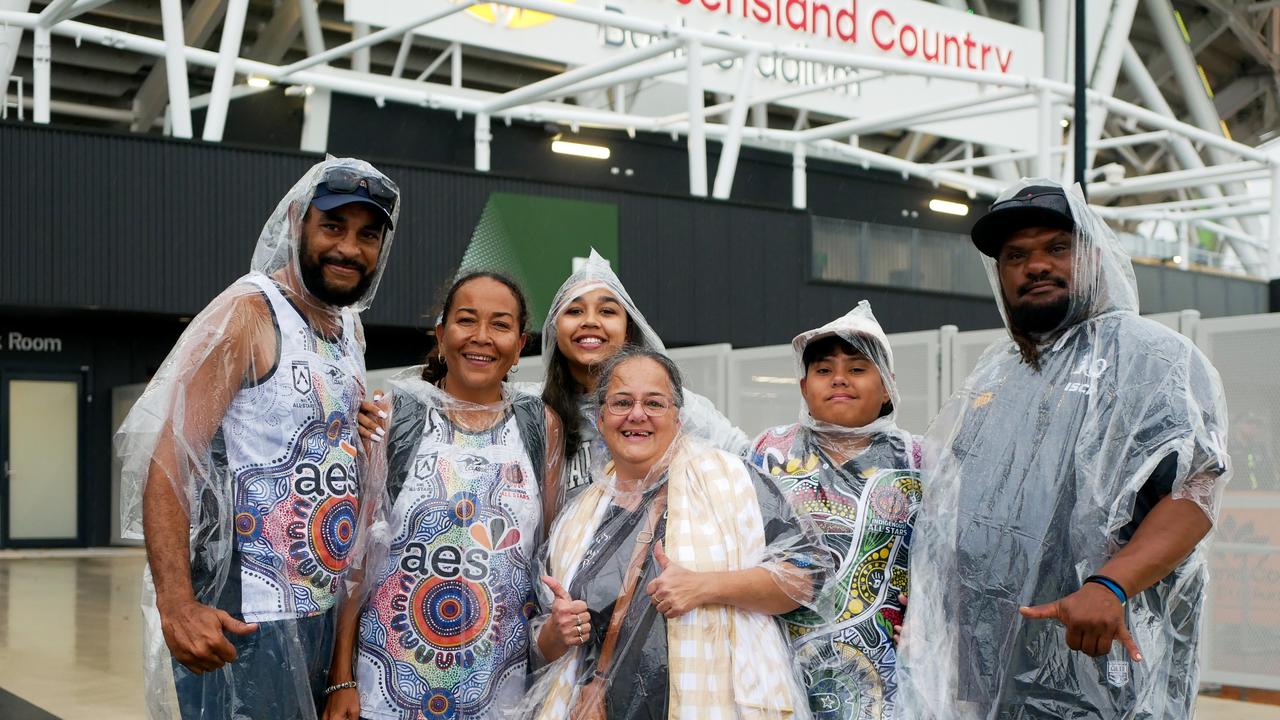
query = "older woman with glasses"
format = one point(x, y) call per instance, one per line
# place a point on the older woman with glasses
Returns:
point(666, 572)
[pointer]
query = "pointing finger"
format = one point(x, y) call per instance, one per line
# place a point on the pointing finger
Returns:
point(1048, 611)
point(1130, 645)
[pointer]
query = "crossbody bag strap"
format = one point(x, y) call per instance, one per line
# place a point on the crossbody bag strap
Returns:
point(630, 582)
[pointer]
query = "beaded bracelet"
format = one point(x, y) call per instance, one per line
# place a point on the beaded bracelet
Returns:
point(1109, 584)
point(340, 686)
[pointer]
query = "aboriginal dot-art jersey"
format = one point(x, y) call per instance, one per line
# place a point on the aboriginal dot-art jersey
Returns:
point(864, 510)
point(445, 632)
point(291, 449)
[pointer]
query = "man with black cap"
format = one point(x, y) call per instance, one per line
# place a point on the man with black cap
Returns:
point(240, 461)
point(1057, 561)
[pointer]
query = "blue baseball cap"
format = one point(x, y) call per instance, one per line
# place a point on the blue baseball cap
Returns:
point(327, 198)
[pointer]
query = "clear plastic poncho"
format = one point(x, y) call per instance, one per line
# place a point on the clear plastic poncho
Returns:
point(860, 487)
point(710, 513)
point(444, 585)
point(860, 329)
point(699, 416)
point(1035, 479)
point(244, 447)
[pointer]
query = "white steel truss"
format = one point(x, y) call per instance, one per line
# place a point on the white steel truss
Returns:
point(1224, 200)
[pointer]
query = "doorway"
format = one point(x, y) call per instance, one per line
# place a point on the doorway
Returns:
point(41, 440)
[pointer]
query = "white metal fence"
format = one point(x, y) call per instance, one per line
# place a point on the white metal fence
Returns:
point(757, 388)
point(1242, 635)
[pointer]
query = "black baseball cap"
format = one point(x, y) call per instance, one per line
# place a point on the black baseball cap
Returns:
point(1034, 206)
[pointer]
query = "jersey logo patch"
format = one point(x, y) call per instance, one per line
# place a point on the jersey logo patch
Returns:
point(1089, 372)
point(1118, 673)
point(424, 466)
point(302, 376)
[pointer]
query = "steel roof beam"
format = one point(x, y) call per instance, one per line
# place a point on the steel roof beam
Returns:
point(1106, 68)
point(368, 40)
point(1236, 96)
point(561, 84)
point(531, 105)
point(728, 165)
point(1160, 182)
point(275, 39)
point(900, 118)
point(51, 13)
point(215, 117)
point(198, 26)
point(1199, 105)
point(1203, 31)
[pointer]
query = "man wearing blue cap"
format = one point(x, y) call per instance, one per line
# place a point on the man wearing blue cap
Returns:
point(240, 461)
point(1058, 562)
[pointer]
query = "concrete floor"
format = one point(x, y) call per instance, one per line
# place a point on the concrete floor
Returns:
point(71, 639)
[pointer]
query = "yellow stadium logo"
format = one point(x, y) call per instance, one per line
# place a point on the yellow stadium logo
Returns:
point(512, 18)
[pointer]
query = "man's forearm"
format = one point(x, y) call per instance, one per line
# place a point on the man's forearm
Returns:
point(1163, 540)
point(166, 525)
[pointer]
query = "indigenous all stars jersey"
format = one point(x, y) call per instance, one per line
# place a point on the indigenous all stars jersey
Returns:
point(445, 632)
point(865, 511)
point(291, 450)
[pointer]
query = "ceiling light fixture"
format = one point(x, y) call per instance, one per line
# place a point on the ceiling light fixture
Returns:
point(948, 207)
point(566, 147)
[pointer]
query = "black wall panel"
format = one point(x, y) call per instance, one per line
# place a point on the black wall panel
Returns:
point(658, 163)
point(138, 224)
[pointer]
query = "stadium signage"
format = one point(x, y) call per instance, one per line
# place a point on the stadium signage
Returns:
point(911, 30)
point(15, 341)
point(891, 34)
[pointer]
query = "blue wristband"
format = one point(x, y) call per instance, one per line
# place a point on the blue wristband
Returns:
point(1109, 584)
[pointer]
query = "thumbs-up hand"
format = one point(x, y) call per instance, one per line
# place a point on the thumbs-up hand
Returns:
point(1094, 619)
point(570, 622)
point(677, 590)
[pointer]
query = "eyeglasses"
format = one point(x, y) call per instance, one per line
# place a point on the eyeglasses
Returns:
point(345, 181)
point(623, 404)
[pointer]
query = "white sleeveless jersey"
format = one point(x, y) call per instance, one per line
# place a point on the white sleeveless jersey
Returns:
point(445, 632)
point(291, 451)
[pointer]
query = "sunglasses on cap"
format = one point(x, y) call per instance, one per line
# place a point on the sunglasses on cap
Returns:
point(345, 181)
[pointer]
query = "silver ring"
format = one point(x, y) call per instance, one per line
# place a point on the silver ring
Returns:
point(578, 628)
